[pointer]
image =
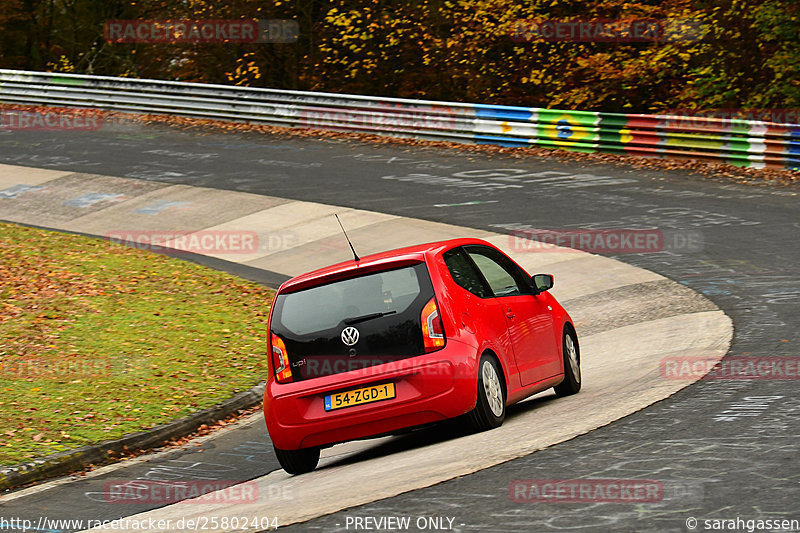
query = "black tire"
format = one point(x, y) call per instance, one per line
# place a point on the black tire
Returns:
point(491, 397)
point(571, 353)
point(298, 461)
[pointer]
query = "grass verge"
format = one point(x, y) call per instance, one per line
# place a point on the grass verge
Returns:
point(99, 340)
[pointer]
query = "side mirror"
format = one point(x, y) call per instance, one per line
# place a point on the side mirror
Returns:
point(542, 282)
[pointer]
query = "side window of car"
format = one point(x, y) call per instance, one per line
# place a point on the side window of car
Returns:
point(503, 277)
point(464, 273)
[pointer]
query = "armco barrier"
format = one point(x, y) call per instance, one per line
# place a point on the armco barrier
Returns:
point(745, 143)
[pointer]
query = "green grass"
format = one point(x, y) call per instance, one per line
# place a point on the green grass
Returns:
point(100, 340)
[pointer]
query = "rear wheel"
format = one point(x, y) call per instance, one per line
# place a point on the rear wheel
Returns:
point(298, 461)
point(572, 366)
point(490, 409)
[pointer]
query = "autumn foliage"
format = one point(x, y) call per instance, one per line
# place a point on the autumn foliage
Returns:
point(747, 55)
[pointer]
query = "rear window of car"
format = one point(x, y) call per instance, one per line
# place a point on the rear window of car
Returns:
point(326, 306)
point(384, 307)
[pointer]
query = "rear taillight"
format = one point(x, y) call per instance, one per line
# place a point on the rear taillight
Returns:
point(432, 330)
point(280, 360)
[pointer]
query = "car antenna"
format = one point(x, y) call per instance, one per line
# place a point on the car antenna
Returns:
point(355, 255)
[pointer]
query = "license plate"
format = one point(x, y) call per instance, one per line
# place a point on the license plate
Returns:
point(373, 393)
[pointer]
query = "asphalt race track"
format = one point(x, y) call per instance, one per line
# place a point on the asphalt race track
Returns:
point(629, 319)
point(722, 449)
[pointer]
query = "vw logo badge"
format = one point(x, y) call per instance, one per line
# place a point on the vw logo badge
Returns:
point(350, 336)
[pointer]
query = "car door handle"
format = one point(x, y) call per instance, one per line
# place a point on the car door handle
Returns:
point(510, 314)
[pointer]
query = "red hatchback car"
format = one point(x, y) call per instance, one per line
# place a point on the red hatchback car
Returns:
point(410, 337)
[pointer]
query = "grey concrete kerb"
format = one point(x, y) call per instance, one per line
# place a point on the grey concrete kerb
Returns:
point(70, 461)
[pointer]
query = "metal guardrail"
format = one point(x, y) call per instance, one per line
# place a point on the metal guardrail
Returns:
point(740, 142)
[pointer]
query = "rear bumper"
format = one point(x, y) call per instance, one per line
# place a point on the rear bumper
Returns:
point(429, 388)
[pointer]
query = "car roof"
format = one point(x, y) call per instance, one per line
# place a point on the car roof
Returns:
point(374, 262)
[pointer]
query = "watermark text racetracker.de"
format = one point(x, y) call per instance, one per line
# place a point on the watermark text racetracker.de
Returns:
point(13, 119)
point(204, 241)
point(192, 491)
point(737, 368)
point(605, 241)
point(201, 31)
point(132, 524)
point(58, 369)
point(585, 491)
point(622, 30)
point(686, 118)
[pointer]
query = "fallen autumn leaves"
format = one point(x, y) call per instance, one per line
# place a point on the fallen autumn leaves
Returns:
point(99, 340)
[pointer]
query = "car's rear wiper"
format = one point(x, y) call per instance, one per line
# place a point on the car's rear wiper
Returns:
point(364, 318)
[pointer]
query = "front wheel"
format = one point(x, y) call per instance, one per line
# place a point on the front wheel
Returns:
point(490, 409)
point(572, 366)
point(298, 461)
